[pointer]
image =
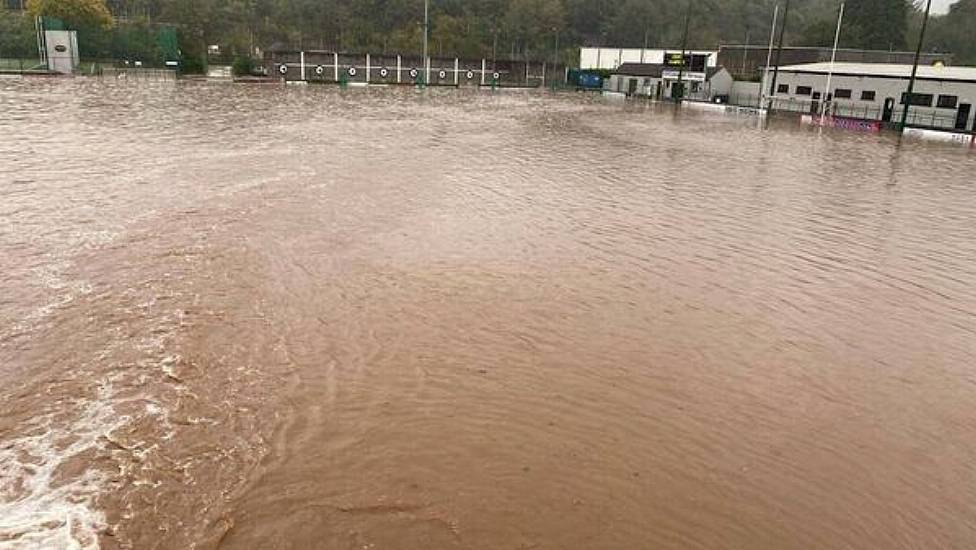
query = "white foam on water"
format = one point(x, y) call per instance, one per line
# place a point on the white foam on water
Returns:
point(37, 510)
point(63, 291)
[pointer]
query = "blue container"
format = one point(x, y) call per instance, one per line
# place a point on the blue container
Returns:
point(585, 79)
point(590, 80)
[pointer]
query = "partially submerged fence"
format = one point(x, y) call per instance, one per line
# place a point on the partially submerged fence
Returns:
point(917, 116)
point(335, 67)
point(138, 73)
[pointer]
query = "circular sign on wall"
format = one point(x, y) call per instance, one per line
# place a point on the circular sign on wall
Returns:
point(352, 71)
point(495, 75)
point(442, 73)
point(470, 75)
point(320, 70)
point(414, 73)
point(384, 72)
point(283, 69)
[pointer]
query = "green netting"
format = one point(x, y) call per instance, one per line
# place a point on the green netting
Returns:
point(168, 43)
point(53, 24)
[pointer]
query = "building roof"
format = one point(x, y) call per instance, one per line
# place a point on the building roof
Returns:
point(655, 70)
point(765, 47)
point(885, 70)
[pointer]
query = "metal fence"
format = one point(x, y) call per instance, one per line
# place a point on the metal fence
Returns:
point(138, 73)
point(21, 64)
point(917, 116)
point(94, 67)
point(745, 100)
point(336, 67)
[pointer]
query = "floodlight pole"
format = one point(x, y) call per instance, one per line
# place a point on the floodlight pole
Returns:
point(911, 80)
point(684, 47)
point(779, 52)
point(426, 32)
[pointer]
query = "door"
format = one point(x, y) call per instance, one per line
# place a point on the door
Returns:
point(632, 86)
point(962, 116)
point(889, 106)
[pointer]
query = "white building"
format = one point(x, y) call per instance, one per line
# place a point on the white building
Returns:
point(611, 58)
point(657, 81)
point(943, 97)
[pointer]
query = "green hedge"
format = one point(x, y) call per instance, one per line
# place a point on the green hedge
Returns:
point(17, 38)
point(243, 66)
point(133, 41)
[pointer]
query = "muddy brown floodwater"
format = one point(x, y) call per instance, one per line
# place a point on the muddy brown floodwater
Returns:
point(271, 317)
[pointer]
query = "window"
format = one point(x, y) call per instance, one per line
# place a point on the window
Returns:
point(919, 100)
point(868, 95)
point(783, 89)
point(948, 101)
point(804, 90)
point(841, 93)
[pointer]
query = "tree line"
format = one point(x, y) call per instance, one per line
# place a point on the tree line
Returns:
point(536, 29)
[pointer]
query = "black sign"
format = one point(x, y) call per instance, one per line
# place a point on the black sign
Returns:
point(694, 62)
point(675, 59)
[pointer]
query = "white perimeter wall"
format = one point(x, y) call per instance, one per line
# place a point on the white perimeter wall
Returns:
point(611, 58)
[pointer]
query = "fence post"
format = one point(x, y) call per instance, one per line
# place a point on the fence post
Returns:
point(335, 65)
point(399, 69)
point(367, 68)
point(456, 66)
point(484, 67)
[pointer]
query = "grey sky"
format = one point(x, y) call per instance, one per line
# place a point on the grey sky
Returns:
point(941, 6)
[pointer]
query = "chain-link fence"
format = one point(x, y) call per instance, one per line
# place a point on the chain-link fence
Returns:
point(21, 65)
point(942, 119)
point(128, 43)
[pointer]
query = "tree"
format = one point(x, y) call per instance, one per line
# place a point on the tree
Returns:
point(818, 33)
point(77, 13)
point(532, 23)
point(877, 24)
point(17, 38)
point(633, 20)
point(953, 32)
point(460, 36)
point(590, 18)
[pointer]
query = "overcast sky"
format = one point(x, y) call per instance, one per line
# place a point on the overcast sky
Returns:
point(941, 6)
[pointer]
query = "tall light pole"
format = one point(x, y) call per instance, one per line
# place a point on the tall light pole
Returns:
point(680, 93)
point(828, 97)
point(426, 32)
point(645, 43)
point(555, 49)
point(769, 57)
point(779, 52)
point(911, 80)
point(555, 58)
point(494, 47)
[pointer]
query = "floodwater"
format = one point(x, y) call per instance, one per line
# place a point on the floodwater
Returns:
point(274, 317)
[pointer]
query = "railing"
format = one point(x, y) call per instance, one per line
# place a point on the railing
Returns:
point(140, 73)
point(21, 65)
point(925, 117)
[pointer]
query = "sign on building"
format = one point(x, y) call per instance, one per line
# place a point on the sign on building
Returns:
point(693, 61)
point(687, 75)
point(62, 51)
